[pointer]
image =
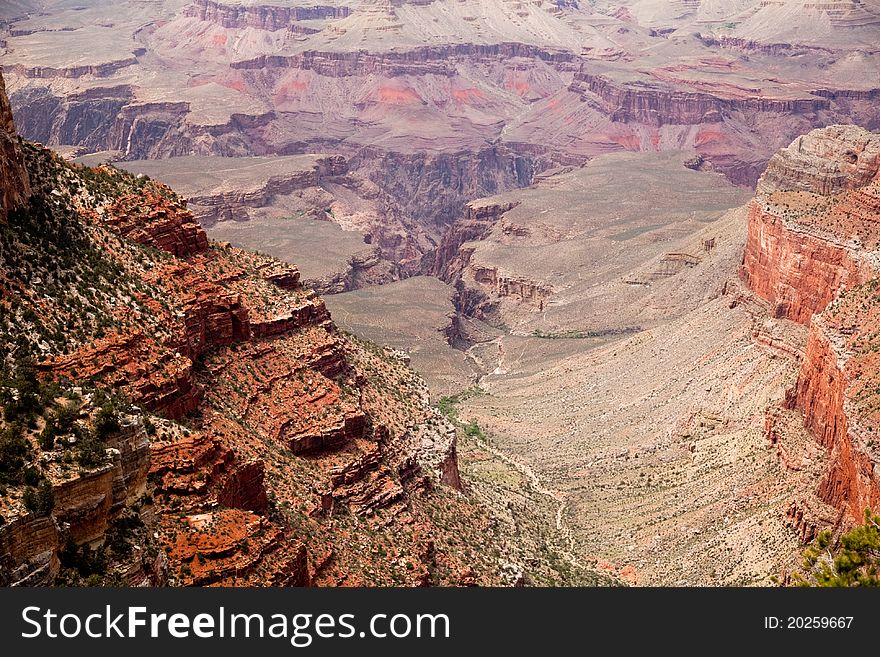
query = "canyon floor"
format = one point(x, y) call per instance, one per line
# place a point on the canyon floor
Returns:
point(650, 441)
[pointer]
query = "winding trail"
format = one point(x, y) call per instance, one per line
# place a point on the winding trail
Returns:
point(559, 497)
point(566, 537)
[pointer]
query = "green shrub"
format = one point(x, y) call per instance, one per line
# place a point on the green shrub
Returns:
point(854, 560)
point(106, 422)
point(47, 437)
point(83, 560)
point(40, 500)
point(65, 416)
point(32, 476)
point(90, 450)
point(14, 449)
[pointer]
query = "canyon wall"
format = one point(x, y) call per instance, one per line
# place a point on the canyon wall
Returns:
point(660, 105)
point(826, 161)
point(798, 270)
point(478, 220)
point(14, 184)
point(261, 17)
point(813, 234)
point(85, 506)
point(823, 392)
point(232, 204)
point(435, 60)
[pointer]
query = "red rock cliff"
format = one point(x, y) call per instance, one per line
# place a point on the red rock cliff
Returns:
point(813, 232)
point(796, 268)
point(824, 161)
point(14, 185)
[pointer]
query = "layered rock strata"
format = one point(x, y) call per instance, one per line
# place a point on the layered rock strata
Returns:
point(814, 231)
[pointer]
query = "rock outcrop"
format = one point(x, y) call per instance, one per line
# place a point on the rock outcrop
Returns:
point(825, 161)
point(794, 267)
point(29, 549)
point(478, 220)
point(814, 230)
point(85, 506)
point(261, 17)
point(224, 204)
point(159, 378)
point(14, 184)
point(435, 60)
point(154, 220)
point(822, 393)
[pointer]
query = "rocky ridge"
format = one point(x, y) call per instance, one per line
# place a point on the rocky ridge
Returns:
point(262, 447)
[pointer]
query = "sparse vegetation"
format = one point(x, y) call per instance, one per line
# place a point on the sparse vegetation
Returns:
point(40, 500)
point(852, 560)
point(584, 335)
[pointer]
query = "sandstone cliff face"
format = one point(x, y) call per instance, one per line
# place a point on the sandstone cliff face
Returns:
point(823, 393)
point(232, 205)
point(478, 220)
point(435, 60)
point(85, 506)
point(811, 250)
point(263, 17)
point(153, 220)
point(797, 270)
point(14, 185)
point(29, 551)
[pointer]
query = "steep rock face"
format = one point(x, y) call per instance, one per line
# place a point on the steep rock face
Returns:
point(261, 17)
point(154, 220)
point(29, 551)
point(661, 105)
point(814, 221)
point(814, 229)
point(824, 161)
point(477, 222)
point(822, 393)
point(417, 61)
point(96, 70)
point(204, 465)
point(435, 188)
point(232, 205)
point(14, 184)
point(85, 505)
point(310, 312)
point(798, 271)
point(502, 285)
point(158, 378)
point(77, 119)
point(109, 119)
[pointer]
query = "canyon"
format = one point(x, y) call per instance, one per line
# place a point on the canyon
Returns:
point(620, 258)
point(693, 382)
point(431, 105)
point(829, 222)
point(203, 422)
